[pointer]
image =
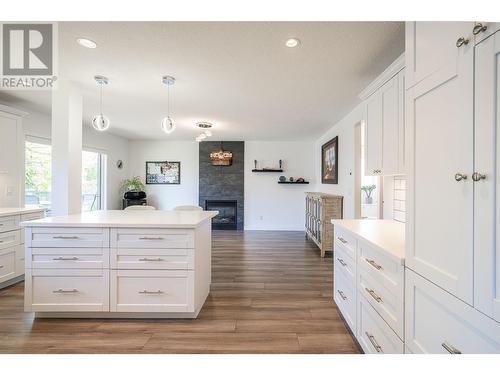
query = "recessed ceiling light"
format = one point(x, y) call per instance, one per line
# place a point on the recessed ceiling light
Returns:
point(292, 42)
point(87, 43)
point(204, 125)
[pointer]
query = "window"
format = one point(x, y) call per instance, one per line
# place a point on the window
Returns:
point(93, 181)
point(38, 159)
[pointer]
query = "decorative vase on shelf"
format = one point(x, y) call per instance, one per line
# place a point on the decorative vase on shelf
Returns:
point(368, 200)
point(282, 178)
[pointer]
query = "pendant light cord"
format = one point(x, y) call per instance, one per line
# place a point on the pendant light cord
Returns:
point(168, 100)
point(101, 99)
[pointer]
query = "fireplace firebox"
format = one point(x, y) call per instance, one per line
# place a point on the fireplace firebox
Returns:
point(226, 219)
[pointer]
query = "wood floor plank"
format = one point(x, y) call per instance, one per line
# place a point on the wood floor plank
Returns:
point(271, 293)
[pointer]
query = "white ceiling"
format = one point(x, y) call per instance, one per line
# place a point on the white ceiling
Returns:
point(238, 75)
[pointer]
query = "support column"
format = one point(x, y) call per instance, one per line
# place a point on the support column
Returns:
point(67, 105)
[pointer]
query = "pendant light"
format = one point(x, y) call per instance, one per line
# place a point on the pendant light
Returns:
point(168, 124)
point(100, 122)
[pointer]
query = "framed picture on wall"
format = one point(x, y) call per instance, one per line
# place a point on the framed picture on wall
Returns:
point(329, 162)
point(163, 172)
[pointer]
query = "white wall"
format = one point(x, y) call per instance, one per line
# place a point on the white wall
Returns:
point(269, 205)
point(165, 197)
point(344, 129)
point(116, 148)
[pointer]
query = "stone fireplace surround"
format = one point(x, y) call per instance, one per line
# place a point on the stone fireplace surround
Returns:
point(219, 183)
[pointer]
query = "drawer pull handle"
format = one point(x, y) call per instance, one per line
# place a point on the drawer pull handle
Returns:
point(1, 266)
point(374, 295)
point(342, 294)
point(341, 261)
point(151, 259)
point(65, 291)
point(450, 348)
point(374, 342)
point(65, 237)
point(342, 240)
point(372, 263)
point(150, 292)
point(151, 238)
point(63, 258)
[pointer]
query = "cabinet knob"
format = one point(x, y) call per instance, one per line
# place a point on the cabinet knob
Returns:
point(479, 28)
point(461, 41)
point(476, 176)
point(460, 177)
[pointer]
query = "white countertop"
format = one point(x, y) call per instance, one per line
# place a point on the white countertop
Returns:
point(388, 235)
point(130, 219)
point(7, 211)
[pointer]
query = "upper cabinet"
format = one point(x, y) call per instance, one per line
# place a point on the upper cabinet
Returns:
point(440, 133)
point(384, 122)
point(486, 177)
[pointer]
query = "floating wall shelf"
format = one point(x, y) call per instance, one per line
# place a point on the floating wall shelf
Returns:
point(267, 170)
point(293, 182)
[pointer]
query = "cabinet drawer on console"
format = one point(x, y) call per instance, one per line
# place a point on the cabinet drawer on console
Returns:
point(389, 305)
point(152, 291)
point(64, 257)
point(346, 239)
point(152, 259)
point(344, 294)
point(68, 237)
point(344, 263)
point(67, 290)
point(374, 335)
point(152, 238)
point(7, 264)
point(8, 223)
point(384, 269)
point(439, 323)
point(9, 239)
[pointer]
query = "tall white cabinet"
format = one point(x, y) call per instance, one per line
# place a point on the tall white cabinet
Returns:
point(487, 177)
point(452, 255)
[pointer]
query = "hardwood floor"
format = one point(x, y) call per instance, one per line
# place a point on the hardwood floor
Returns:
point(271, 293)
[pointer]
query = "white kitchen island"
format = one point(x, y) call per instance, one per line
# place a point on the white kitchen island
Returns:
point(119, 264)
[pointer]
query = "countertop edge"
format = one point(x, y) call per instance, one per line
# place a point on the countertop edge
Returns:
point(400, 259)
point(21, 211)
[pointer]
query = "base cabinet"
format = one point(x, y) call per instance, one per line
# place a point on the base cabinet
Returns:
point(374, 335)
point(437, 322)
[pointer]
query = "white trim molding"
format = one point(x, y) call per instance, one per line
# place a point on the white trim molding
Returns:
point(386, 75)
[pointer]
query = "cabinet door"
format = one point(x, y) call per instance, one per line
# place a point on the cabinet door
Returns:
point(487, 190)
point(431, 48)
point(439, 120)
point(482, 30)
point(390, 126)
point(11, 160)
point(401, 122)
point(373, 134)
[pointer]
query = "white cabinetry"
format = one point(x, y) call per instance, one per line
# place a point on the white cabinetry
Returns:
point(452, 291)
point(439, 115)
point(487, 189)
point(384, 122)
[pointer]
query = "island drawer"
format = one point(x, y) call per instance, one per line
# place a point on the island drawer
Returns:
point(389, 305)
point(344, 263)
point(374, 335)
point(67, 237)
point(384, 269)
point(8, 223)
point(67, 290)
point(152, 259)
point(344, 295)
point(152, 291)
point(67, 257)
point(345, 239)
point(152, 238)
point(9, 239)
point(7, 264)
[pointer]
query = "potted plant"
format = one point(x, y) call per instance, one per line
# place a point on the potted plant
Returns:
point(133, 188)
point(368, 189)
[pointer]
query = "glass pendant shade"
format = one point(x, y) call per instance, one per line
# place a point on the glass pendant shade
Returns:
point(167, 125)
point(100, 123)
